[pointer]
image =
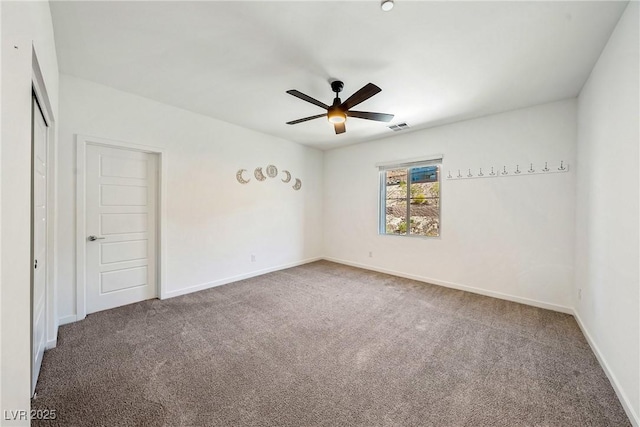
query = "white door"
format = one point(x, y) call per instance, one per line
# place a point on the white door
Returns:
point(121, 198)
point(38, 239)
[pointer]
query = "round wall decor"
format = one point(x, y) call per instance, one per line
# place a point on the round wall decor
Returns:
point(239, 177)
point(272, 171)
point(259, 175)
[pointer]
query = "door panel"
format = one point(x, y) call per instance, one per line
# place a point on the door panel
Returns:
point(123, 167)
point(116, 280)
point(123, 251)
point(123, 223)
point(121, 197)
point(39, 241)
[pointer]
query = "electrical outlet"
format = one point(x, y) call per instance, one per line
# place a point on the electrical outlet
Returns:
point(370, 254)
point(253, 258)
point(580, 293)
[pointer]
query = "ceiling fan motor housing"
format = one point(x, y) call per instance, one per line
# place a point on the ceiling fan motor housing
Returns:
point(335, 114)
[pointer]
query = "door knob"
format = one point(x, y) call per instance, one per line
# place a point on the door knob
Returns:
point(92, 238)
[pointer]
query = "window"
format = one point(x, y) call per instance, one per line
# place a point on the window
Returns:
point(410, 190)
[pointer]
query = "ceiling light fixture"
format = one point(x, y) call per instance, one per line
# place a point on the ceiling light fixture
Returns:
point(387, 5)
point(335, 115)
point(338, 112)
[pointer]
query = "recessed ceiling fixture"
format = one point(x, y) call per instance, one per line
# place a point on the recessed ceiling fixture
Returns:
point(387, 5)
point(338, 112)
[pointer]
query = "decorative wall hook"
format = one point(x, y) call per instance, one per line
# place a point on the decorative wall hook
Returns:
point(505, 171)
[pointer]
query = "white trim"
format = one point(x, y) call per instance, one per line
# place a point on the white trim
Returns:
point(161, 238)
point(81, 248)
point(42, 97)
point(622, 397)
point(51, 344)
point(67, 319)
point(479, 291)
point(405, 163)
point(81, 146)
point(232, 279)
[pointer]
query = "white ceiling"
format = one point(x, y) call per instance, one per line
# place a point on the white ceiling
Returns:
point(436, 62)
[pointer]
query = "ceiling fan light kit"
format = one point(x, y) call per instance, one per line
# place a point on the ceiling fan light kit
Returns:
point(336, 116)
point(338, 112)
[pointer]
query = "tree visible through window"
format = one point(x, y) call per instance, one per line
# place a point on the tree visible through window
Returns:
point(410, 198)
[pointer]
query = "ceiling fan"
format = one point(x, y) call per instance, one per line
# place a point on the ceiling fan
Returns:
point(338, 112)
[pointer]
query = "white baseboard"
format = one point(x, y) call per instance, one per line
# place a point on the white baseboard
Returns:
point(67, 319)
point(51, 344)
point(624, 400)
point(227, 280)
point(499, 295)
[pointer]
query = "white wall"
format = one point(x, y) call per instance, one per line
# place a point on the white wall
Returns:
point(26, 27)
point(508, 237)
point(214, 223)
point(607, 209)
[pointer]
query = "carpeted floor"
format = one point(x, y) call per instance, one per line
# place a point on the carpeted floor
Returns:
point(326, 345)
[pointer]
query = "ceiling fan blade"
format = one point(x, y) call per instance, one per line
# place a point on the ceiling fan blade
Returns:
point(380, 117)
point(366, 92)
point(339, 127)
point(295, 122)
point(307, 98)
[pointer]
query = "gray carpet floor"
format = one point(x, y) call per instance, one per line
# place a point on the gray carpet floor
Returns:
point(326, 345)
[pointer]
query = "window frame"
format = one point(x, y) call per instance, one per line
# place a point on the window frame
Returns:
point(435, 160)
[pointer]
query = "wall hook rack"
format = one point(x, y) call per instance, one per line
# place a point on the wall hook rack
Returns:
point(509, 171)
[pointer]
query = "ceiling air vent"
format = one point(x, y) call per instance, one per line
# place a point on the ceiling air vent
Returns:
point(399, 127)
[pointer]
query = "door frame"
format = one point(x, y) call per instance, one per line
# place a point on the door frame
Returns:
point(81, 243)
point(51, 306)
